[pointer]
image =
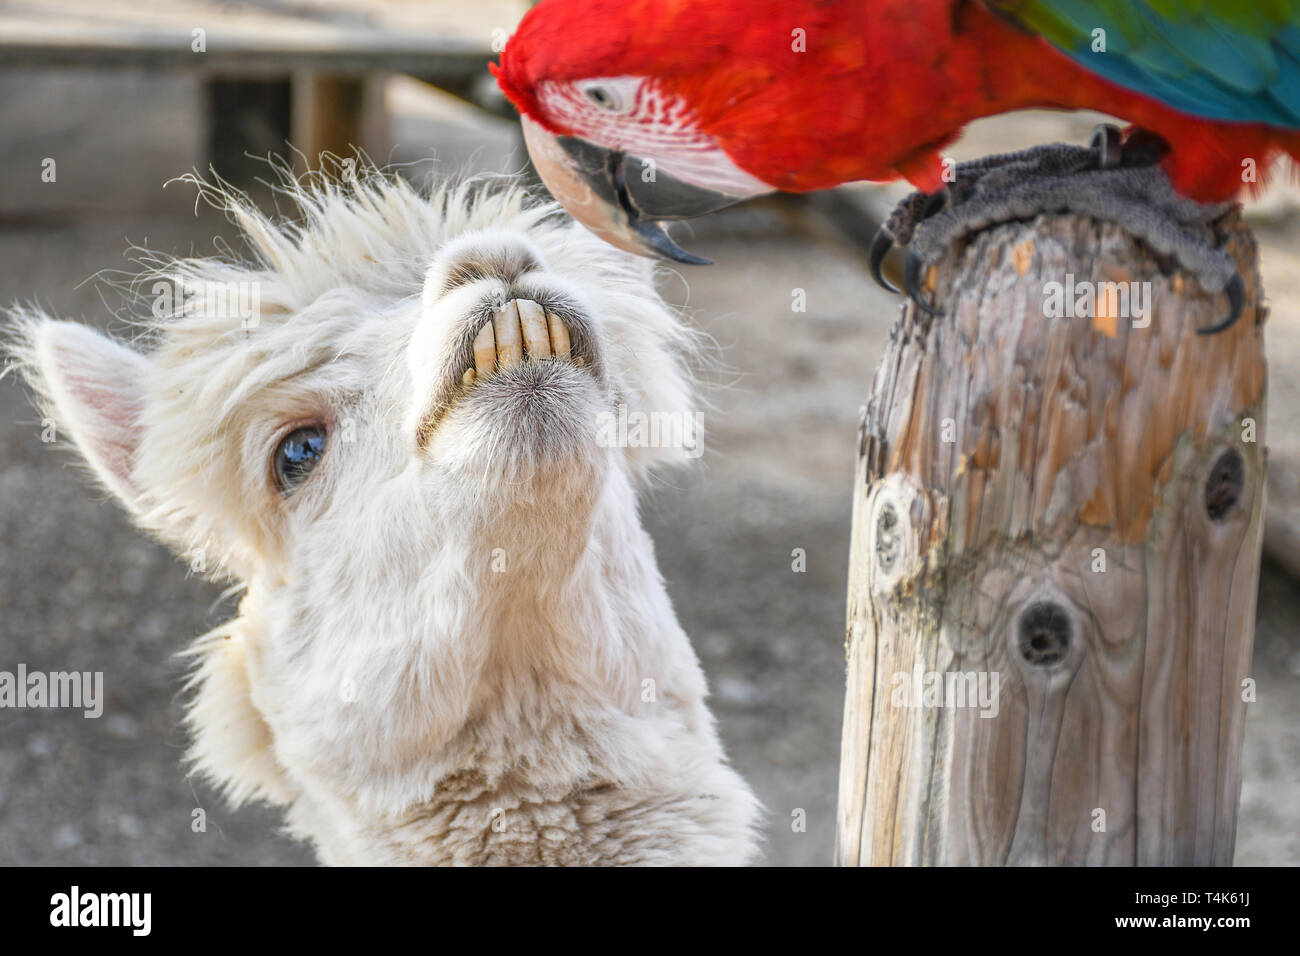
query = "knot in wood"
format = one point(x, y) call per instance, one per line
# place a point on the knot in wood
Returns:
point(1224, 485)
point(899, 515)
point(889, 546)
point(1045, 634)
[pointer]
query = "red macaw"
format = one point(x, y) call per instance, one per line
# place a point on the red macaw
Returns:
point(643, 110)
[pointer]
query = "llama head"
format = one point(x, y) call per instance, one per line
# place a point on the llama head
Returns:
point(424, 539)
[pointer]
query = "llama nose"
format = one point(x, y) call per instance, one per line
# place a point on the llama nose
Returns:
point(504, 258)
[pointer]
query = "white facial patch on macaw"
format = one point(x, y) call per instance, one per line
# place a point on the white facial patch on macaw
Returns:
point(634, 115)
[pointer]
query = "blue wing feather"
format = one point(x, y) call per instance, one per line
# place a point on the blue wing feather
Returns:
point(1236, 63)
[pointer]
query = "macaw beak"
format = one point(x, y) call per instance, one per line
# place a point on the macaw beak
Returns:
point(609, 193)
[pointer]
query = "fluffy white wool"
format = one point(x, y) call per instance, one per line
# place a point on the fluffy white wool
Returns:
point(406, 699)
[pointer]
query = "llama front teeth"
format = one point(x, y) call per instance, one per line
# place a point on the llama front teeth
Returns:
point(532, 320)
point(559, 337)
point(521, 331)
point(485, 351)
point(510, 339)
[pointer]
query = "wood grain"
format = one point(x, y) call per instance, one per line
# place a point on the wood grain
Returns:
point(1071, 507)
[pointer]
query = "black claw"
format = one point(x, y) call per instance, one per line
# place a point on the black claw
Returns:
point(1108, 142)
point(1236, 291)
point(934, 202)
point(880, 246)
point(912, 282)
point(1144, 148)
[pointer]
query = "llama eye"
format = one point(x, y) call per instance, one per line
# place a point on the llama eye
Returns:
point(297, 456)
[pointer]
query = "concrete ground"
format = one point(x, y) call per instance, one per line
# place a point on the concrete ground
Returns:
point(80, 589)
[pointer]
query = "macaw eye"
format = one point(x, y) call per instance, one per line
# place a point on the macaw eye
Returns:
point(296, 455)
point(603, 96)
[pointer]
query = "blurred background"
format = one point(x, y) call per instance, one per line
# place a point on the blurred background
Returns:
point(123, 96)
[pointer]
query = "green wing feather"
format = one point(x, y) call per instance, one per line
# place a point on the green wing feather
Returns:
point(1221, 59)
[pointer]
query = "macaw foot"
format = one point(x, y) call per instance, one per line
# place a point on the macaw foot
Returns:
point(1113, 179)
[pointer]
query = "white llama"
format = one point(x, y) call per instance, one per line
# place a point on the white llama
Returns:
point(454, 645)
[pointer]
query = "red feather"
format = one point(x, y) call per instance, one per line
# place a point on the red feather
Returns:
point(878, 89)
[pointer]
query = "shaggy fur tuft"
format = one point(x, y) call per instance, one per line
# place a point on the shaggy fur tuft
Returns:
point(454, 645)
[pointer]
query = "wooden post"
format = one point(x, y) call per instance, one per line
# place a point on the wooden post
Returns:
point(336, 112)
point(1066, 514)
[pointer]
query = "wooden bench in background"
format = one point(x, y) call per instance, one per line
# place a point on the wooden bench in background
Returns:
point(315, 67)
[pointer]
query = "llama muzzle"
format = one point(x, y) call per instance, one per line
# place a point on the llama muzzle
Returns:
point(521, 331)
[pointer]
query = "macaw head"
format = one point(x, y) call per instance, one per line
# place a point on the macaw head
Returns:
point(625, 116)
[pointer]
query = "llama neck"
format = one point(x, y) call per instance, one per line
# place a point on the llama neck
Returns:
point(576, 607)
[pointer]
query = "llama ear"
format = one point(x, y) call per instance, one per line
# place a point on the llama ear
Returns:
point(94, 389)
